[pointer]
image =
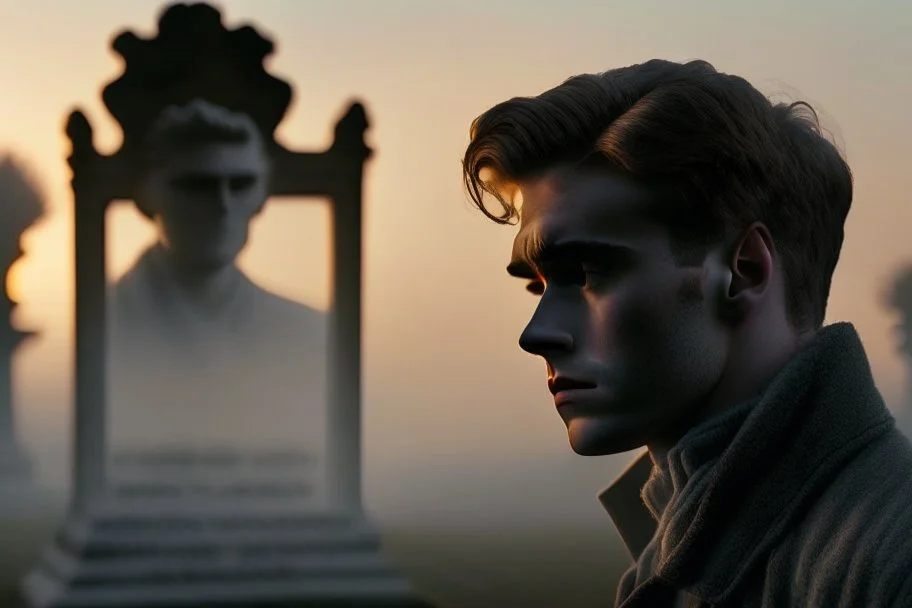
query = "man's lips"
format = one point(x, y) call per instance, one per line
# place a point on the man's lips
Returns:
point(563, 388)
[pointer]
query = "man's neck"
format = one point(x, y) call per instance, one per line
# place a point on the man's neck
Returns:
point(204, 287)
point(747, 374)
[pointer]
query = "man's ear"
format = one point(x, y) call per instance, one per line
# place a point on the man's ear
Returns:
point(748, 269)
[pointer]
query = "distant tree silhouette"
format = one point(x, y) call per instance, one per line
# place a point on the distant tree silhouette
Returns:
point(899, 299)
point(21, 205)
point(21, 200)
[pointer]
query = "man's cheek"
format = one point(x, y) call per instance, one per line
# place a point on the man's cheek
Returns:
point(638, 316)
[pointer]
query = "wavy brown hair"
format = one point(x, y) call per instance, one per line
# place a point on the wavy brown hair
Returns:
point(732, 155)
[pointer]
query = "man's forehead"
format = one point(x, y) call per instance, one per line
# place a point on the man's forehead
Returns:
point(217, 159)
point(567, 195)
point(579, 206)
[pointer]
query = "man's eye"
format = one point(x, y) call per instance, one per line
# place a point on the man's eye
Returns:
point(196, 185)
point(567, 274)
point(536, 287)
point(238, 184)
point(598, 269)
point(601, 274)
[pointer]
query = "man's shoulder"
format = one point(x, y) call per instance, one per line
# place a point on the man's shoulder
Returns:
point(290, 326)
point(278, 307)
point(855, 539)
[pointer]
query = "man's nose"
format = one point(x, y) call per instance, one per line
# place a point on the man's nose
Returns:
point(222, 197)
point(543, 339)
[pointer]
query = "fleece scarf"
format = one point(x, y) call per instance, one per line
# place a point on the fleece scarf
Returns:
point(754, 490)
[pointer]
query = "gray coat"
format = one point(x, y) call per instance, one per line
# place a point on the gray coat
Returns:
point(802, 497)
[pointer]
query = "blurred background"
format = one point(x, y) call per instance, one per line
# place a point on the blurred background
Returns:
point(467, 467)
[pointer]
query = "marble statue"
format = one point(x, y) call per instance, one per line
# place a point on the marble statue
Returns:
point(200, 355)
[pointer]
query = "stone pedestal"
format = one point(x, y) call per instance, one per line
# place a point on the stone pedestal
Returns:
point(15, 466)
point(154, 560)
point(226, 528)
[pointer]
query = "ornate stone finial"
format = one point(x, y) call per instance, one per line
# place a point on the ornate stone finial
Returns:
point(352, 126)
point(193, 56)
point(80, 132)
point(82, 140)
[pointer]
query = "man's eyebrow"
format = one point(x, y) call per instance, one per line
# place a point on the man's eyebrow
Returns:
point(565, 252)
point(195, 175)
point(578, 250)
point(203, 174)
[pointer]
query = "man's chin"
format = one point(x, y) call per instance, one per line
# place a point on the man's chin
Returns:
point(210, 261)
point(591, 436)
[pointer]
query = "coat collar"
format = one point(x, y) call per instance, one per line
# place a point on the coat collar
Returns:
point(622, 501)
point(819, 411)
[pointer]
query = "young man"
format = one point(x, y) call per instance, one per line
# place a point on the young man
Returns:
point(681, 232)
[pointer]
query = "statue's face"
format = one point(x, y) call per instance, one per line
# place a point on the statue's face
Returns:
point(204, 197)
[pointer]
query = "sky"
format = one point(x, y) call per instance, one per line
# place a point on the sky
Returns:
point(458, 421)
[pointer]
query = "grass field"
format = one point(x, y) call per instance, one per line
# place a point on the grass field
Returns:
point(540, 567)
point(23, 536)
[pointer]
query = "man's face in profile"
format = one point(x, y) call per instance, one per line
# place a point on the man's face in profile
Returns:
point(204, 197)
point(630, 338)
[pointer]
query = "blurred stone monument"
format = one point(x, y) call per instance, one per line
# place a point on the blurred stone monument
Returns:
point(21, 205)
point(207, 371)
point(899, 300)
point(114, 551)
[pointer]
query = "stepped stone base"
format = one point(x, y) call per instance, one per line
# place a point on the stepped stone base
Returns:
point(15, 465)
point(135, 558)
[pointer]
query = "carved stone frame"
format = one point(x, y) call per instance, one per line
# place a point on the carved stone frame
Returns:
point(97, 179)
